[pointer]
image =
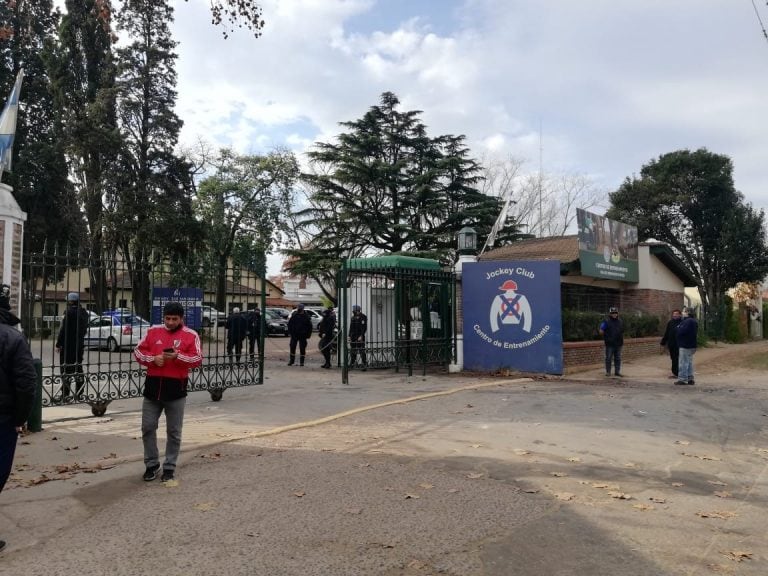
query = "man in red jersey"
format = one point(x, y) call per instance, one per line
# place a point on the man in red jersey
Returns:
point(168, 352)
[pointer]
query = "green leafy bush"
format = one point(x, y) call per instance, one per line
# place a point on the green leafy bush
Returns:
point(583, 326)
point(733, 331)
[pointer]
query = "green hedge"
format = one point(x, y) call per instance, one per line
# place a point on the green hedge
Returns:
point(582, 326)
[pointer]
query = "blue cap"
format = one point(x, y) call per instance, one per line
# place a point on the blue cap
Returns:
point(73, 297)
point(300, 306)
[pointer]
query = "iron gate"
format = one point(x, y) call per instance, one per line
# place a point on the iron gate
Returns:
point(409, 306)
point(123, 299)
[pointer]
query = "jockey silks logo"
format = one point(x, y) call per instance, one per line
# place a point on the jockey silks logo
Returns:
point(511, 308)
point(510, 313)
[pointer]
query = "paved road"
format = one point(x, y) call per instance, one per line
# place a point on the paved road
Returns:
point(443, 474)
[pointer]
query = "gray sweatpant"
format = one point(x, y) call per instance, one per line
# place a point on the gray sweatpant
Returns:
point(174, 418)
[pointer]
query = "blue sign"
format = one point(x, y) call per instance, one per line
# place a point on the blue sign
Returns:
point(190, 298)
point(512, 316)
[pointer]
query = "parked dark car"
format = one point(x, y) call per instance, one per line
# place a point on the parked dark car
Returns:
point(276, 325)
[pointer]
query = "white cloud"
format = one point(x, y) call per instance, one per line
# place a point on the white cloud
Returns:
point(612, 84)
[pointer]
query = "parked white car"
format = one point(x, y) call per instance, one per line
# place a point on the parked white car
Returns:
point(211, 316)
point(115, 330)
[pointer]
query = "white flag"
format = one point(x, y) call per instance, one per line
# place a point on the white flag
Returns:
point(8, 124)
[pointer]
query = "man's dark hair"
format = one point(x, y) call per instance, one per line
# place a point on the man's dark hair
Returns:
point(173, 309)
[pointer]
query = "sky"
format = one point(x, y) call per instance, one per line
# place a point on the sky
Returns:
point(594, 87)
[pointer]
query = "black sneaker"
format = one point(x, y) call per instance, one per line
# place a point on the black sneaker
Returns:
point(167, 476)
point(151, 473)
point(2, 544)
point(691, 382)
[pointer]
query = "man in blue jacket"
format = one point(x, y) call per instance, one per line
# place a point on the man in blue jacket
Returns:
point(687, 333)
point(612, 331)
point(17, 385)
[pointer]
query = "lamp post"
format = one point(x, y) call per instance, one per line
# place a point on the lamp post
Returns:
point(467, 241)
point(467, 251)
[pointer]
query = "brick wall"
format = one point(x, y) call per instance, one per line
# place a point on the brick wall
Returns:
point(576, 354)
point(657, 302)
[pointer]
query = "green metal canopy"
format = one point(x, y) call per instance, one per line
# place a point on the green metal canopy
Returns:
point(392, 261)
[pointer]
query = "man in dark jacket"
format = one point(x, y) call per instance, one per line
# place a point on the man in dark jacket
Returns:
point(326, 329)
point(687, 333)
point(17, 385)
point(358, 326)
point(299, 329)
point(612, 331)
point(254, 330)
point(70, 345)
point(670, 340)
point(237, 328)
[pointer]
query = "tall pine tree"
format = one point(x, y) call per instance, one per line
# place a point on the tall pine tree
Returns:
point(151, 207)
point(39, 176)
point(386, 186)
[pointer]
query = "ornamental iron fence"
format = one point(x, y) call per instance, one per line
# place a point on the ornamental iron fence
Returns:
point(92, 361)
point(407, 306)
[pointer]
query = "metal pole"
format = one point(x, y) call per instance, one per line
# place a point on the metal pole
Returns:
point(35, 421)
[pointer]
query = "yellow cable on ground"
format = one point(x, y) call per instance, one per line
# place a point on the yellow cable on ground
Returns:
point(325, 420)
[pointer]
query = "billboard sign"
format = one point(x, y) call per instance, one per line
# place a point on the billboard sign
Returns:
point(512, 316)
point(190, 298)
point(607, 248)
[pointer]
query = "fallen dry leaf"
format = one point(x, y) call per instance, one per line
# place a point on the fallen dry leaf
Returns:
point(558, 474)
point(453, 490)
point(723, 494)
point(599, 485)
point(643, 507)
point(677, 484)
point(40, 480)
point(475, 475)
point(299, 494)
point(716, 483)
point(564, 496)
point(531, 491)
point(682, 442)
point(412, 496)
point(738, 555)
point(71, 447)
point(426, 486)
point(574, 459)
point(720, 515)
point(171, 483)
point(630, 465)
point(204, 506)
point(520, 451)
point(701, 456)
point(476, 445)
point(657, 500)
point(619, 495)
